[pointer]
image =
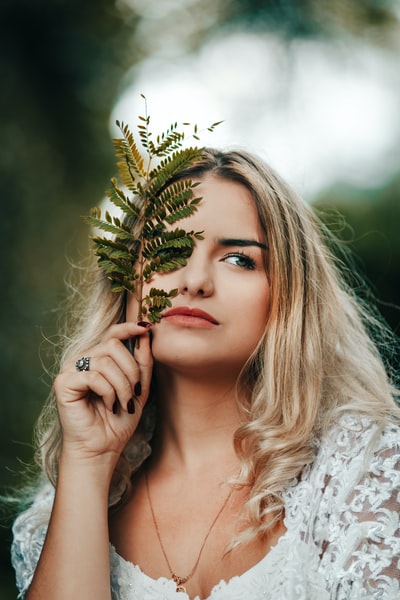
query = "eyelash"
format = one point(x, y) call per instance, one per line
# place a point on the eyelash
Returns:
point(249, 262)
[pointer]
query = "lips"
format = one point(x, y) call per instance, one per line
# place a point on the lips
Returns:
point(186, 311)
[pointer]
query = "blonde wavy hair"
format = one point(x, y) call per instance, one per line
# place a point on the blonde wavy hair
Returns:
point(316, 359)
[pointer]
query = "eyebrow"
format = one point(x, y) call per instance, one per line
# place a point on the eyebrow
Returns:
point(240, 242)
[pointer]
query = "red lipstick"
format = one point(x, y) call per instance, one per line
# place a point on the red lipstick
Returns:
point(191, 317)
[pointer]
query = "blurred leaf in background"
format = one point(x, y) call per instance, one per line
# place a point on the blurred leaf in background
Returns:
point(367, 221)
point(376, 19)
point(61, 64)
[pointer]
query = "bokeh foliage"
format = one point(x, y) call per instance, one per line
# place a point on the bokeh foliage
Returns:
point(319, 18)
point(61, 62)
point(366, 221)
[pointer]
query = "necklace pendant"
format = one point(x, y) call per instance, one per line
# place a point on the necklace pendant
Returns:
point(179, 582)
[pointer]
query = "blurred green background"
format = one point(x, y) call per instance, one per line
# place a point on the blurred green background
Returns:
point(63, 64)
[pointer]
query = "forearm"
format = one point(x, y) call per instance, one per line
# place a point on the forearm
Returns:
point(97, 415)
point(74, 563)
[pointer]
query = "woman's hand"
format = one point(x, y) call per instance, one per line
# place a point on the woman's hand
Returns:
point(100, 408)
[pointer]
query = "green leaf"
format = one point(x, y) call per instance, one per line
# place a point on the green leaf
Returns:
point(120, 200)
point(116, 230)
point(140, 242)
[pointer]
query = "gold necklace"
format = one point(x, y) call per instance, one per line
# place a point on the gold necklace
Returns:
point(177, 578)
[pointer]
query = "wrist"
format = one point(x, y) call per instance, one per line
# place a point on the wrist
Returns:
point(90, 471)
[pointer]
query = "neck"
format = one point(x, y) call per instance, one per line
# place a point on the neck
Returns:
point(196, 421)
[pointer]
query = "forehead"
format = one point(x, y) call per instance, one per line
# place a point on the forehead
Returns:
point(226, 207)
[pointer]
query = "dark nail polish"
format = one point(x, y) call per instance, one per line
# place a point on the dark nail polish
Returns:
point(131, 406)
point(145, 324)
point(115, 407)
point(137, 390)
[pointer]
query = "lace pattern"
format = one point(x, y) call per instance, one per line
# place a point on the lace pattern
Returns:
point(342, 540)
point(258, 583)
point(29, 532)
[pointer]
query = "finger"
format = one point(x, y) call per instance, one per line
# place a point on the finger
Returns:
point(120, 367)
point(137, 363)
point(114, 361)
point(75, 387)
point(121, 370)
point(127, 330)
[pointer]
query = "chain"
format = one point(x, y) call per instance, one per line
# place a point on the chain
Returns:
point(177, 578)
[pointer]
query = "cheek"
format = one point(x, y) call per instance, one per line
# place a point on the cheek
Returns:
point(259, 298)
point(259, 311)
point(251, 315)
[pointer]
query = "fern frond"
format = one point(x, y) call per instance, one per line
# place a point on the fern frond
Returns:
point(171, 166)
point(118, 279)
point(157, 266)
point(144, 132)
point(120, 200)
point(156, 301)
point(131, 166)
point(169, 140)
point(119, 231)
point(167, 241)
point(117, 255)
point(178, 201)
point(149, 200)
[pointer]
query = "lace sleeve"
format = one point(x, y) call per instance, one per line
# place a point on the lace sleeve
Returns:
point(29, 532)
point(362, 553)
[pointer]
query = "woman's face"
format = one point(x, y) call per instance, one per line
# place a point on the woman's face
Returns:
point(224, 277)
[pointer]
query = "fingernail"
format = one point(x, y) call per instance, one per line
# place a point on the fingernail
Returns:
point(137, 390)
point(115, 407)
point(131, 406)
point(145, 324)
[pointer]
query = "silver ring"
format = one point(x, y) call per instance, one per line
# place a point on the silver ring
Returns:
point(82, 364)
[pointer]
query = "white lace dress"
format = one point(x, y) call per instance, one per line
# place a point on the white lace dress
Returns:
point(342, 540)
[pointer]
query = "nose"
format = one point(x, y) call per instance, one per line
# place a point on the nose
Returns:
point(195, 278)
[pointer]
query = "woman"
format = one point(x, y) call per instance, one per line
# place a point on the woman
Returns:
point(274, 465)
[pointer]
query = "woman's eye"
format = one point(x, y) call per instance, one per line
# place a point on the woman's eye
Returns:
point(240, 260)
